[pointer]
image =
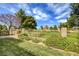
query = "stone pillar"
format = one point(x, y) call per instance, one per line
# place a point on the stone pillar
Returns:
point(16, 34)
point(64, 32)
point(58, 29)
point(23, 30)
point(10, 32)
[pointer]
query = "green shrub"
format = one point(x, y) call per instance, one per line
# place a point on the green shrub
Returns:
point(36, 40)
point(24, 36)
point(68, 43)
point(71, 44)
point(52, 40)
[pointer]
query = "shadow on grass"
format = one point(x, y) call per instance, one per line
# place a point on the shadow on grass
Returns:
point(9, 47)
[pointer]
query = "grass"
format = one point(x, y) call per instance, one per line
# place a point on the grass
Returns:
point(69, 43)
point(8, 47)
point(15, 47)
point(44, 34)
point(40, 50)
point(54, 39)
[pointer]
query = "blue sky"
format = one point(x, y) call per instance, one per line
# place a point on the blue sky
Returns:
point(44, 13)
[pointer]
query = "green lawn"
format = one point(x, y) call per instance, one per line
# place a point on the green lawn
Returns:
point(20, 47)
point(40, 50)
point(8, 47)
point(54, 39)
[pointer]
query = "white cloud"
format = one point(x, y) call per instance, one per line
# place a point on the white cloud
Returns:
point(23, 6)
point(52, 6)
point(58, 8)
point(63, 15)
point(28, 12)
point(39, 14)
point(19, 6)
point(44, 15)
point(12, 10)
point(62, 21)
point(37, 11)
point(51, 21)
point(37, 17)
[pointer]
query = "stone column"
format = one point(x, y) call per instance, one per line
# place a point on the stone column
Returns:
point(58, 29)
point(23, 30)
point(64, 32)
point(16, 34)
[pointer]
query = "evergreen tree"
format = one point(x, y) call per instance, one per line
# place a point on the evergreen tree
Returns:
point(29, 23)
point(21, 15)
point(73, 20)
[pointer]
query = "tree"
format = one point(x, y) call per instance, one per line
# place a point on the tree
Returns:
point(9, 20)
point(51, 28)
point(21, 14)
point(73, 20)
point(41, 27)
point(63, 25)
point(46, 27)
point(55, 27)
point(75, 8)
point(29, 23)
point(3, 29)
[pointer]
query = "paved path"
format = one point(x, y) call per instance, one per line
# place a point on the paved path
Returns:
point(10, 36)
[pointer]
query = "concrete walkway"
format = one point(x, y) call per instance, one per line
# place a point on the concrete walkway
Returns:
point(10, 36)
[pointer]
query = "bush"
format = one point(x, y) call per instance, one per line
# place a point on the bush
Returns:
point(52, 41)
point(36, 40)
point(24, 36)
point(72, 44)
point(68, 43)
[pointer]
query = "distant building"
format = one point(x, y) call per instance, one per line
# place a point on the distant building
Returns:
point(75, 27)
